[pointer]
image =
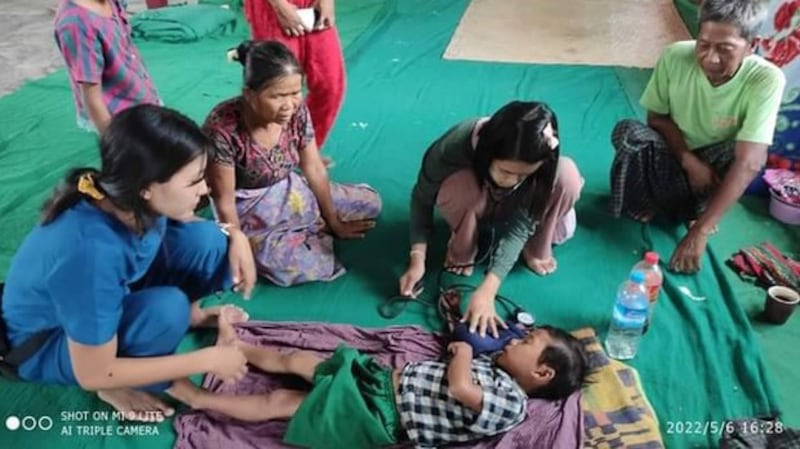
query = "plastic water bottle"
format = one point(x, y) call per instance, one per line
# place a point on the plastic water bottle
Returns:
point(653, 278)
point(628, 318)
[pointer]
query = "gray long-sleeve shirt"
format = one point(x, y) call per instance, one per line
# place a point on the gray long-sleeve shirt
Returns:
point(450, 153)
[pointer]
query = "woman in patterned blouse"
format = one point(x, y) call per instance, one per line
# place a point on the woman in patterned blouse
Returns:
point(263, 136)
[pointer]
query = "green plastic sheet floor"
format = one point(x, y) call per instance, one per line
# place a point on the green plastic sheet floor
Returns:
point(701, 361)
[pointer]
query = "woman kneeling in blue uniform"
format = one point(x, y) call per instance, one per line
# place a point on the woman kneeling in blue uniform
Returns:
point(114, 268)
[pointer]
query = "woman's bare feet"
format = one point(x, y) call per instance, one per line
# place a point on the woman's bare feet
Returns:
point(136, 405)
point(207, 317)
point(459, 269)
point(542, 267)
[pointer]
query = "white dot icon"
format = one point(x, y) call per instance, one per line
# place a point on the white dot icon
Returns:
point(12, 423)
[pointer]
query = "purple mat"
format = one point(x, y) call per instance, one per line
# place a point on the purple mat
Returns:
point(548, 424)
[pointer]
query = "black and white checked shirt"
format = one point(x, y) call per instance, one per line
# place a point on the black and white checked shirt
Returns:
point(432, 417)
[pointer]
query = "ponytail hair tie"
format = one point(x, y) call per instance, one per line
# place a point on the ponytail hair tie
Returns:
point(87, 187)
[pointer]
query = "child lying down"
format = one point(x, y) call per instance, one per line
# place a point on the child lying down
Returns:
point(355, 402)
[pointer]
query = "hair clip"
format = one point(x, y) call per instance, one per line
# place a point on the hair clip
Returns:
point(87, 187)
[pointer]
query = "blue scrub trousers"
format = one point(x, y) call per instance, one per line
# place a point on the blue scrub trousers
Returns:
point(191, 263)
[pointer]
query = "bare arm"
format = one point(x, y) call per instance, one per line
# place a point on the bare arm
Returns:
point(99, 368)
point(93, 100)
point(222, 182)
point(700, 175)
point(749, 159)
point(313, 168)
point(671, 134)
point(459, 377)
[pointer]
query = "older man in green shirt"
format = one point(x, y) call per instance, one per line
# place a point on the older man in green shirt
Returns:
point(711, 111)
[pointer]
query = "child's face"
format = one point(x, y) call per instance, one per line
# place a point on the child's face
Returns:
point(520, 359)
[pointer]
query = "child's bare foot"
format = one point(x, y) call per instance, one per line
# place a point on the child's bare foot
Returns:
point(226, 332)
point(207, 317)
point(136, 405)
point(542, 267)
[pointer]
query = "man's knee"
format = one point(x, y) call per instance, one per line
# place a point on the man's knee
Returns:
point(624, 131)
point(569, 182)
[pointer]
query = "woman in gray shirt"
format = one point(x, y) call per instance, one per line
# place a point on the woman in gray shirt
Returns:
point(502, 174)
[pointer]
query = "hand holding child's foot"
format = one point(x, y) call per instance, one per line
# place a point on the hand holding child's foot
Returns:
point(136, 405)
point(229, 362)
point(227, 333)
point(207, 317)
point(542, 267)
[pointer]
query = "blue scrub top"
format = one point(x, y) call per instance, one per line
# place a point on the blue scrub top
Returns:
point(73, 274)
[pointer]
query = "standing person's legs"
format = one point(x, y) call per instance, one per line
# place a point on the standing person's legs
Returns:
point(462, 203)
point(323, 63)
point(558, 222)
point(646, 178)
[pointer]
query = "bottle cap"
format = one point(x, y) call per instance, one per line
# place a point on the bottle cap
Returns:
point(651, 257)
point(637, 277)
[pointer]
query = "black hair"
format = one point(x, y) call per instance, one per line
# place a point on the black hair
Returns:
point(264, 62)
point(142, 145)
point(514, 133)
point(566, 356)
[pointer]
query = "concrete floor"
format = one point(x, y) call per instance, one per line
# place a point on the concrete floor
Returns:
point(27, 48)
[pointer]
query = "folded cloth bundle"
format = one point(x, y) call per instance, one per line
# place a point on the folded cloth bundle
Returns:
point(182, 23)
point(766, 266)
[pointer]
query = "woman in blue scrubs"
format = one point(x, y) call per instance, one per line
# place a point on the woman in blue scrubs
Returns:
point(114, 267)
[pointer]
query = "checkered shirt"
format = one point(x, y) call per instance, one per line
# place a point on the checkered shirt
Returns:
point(432, 417)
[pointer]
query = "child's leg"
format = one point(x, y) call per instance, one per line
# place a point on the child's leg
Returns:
point(278, 404)
point(299, 363)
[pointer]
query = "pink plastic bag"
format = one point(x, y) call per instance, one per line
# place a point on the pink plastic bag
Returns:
point(784, 183)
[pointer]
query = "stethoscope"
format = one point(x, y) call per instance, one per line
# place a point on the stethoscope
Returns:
point(451, 313)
